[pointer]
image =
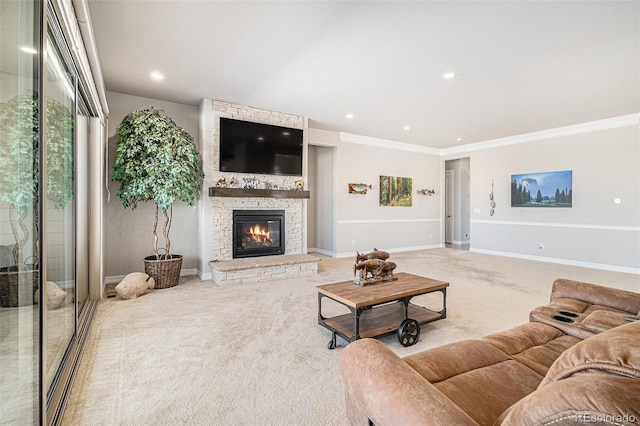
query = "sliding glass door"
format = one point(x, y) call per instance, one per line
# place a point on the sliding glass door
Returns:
point(19, 204)
point(45, 134)
point(60, 217)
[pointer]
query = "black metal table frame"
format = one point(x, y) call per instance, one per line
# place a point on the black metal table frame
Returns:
point(356, 312)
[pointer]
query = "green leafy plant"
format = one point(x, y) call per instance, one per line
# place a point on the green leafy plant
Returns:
point(156, 161)
point(20, 165)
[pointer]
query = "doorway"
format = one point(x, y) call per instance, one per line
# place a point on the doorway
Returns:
point(321, 232)
point(457, 204)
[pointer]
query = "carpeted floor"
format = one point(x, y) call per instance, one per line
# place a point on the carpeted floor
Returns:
point(253, 354)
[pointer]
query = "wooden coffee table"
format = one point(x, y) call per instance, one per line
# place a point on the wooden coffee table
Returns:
point(381, 309)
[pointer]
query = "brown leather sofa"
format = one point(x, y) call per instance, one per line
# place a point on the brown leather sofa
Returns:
point(576, 361)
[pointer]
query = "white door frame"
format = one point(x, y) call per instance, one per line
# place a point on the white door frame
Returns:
point(449, 223)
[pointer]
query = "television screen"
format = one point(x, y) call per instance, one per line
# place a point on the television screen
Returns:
point(247, 147)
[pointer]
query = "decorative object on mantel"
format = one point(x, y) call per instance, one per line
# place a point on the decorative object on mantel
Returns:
point(359, 188)
point(492, 202)
point(135, 284)
point(299, 185)
point(157, 161)
point(249, 183)
point(428, 192)
point(373, 268)
point(224, 183)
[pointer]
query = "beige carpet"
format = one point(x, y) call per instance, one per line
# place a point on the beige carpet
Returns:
point(253, 354)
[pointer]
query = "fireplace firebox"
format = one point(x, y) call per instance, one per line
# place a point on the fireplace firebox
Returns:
point(258, 233)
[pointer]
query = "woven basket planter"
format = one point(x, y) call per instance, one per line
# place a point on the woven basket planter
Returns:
point(17, 285)
point(165, 272)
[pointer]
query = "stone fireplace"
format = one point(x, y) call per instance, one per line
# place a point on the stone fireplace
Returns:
point(294, 223)
point(237, 253)
point(258, 233)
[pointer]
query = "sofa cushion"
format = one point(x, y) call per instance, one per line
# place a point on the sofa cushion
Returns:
point(381, 388)
point(615, 351)
point(535, 345)
point(596, 381)
point(595, 295)
point(467, 371)
point(601, 320)
point(577, 318)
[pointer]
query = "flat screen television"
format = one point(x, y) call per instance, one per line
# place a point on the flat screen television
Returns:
point(247, 147)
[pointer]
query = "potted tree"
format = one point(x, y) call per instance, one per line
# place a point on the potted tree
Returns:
point(19, 188)
point(157, 161)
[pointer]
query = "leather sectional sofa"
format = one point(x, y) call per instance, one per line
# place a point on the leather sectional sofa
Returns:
point(576, 362)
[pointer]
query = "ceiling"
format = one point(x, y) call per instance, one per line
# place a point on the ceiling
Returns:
point(522, 66)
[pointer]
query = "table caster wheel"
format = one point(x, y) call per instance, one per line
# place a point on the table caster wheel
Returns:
point(409, 332)
point(332, 342)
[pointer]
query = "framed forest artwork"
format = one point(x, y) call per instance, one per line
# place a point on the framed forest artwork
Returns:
point(395, 191)
point(548, 189)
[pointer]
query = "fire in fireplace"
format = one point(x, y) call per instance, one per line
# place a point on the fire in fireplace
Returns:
point(258, 233)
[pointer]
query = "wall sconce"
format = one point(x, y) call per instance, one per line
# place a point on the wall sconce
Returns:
point(428, 192)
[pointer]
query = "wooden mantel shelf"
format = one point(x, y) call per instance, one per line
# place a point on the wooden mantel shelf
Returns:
point(215, 191)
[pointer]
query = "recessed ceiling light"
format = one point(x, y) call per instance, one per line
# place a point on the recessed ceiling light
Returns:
point(28, 49)
point(407, 128)
point(156, 75)
point(349, 115)
point(449, 75)
point(458, 139)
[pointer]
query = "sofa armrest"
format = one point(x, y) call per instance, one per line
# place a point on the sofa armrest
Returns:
point(596, 294)
point(381, 387)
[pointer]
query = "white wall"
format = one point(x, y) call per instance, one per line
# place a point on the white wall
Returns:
point(361, 222)
point(128, 233)
point(594, 232)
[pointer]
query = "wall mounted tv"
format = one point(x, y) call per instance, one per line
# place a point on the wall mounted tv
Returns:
point(247, 147)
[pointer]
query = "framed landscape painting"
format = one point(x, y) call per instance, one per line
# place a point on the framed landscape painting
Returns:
point(548, 189)
point(395, 191)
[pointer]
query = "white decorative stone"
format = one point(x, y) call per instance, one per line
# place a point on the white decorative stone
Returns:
point(135, 284)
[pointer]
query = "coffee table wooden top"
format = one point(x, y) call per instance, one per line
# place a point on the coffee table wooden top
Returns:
point(356, 296)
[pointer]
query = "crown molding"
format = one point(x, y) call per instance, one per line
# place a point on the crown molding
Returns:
point(575, 129)
point(388, 144)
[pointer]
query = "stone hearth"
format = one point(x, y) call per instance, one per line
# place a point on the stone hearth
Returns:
point(265, 268)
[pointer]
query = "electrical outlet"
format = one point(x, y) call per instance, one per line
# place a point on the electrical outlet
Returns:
point(353, 242)
point(541, 246)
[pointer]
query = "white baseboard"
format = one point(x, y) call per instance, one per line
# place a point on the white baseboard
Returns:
point(204, 275)
point(321, 251)
point(602, 266)
point(115, 279)
point(394, 250)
